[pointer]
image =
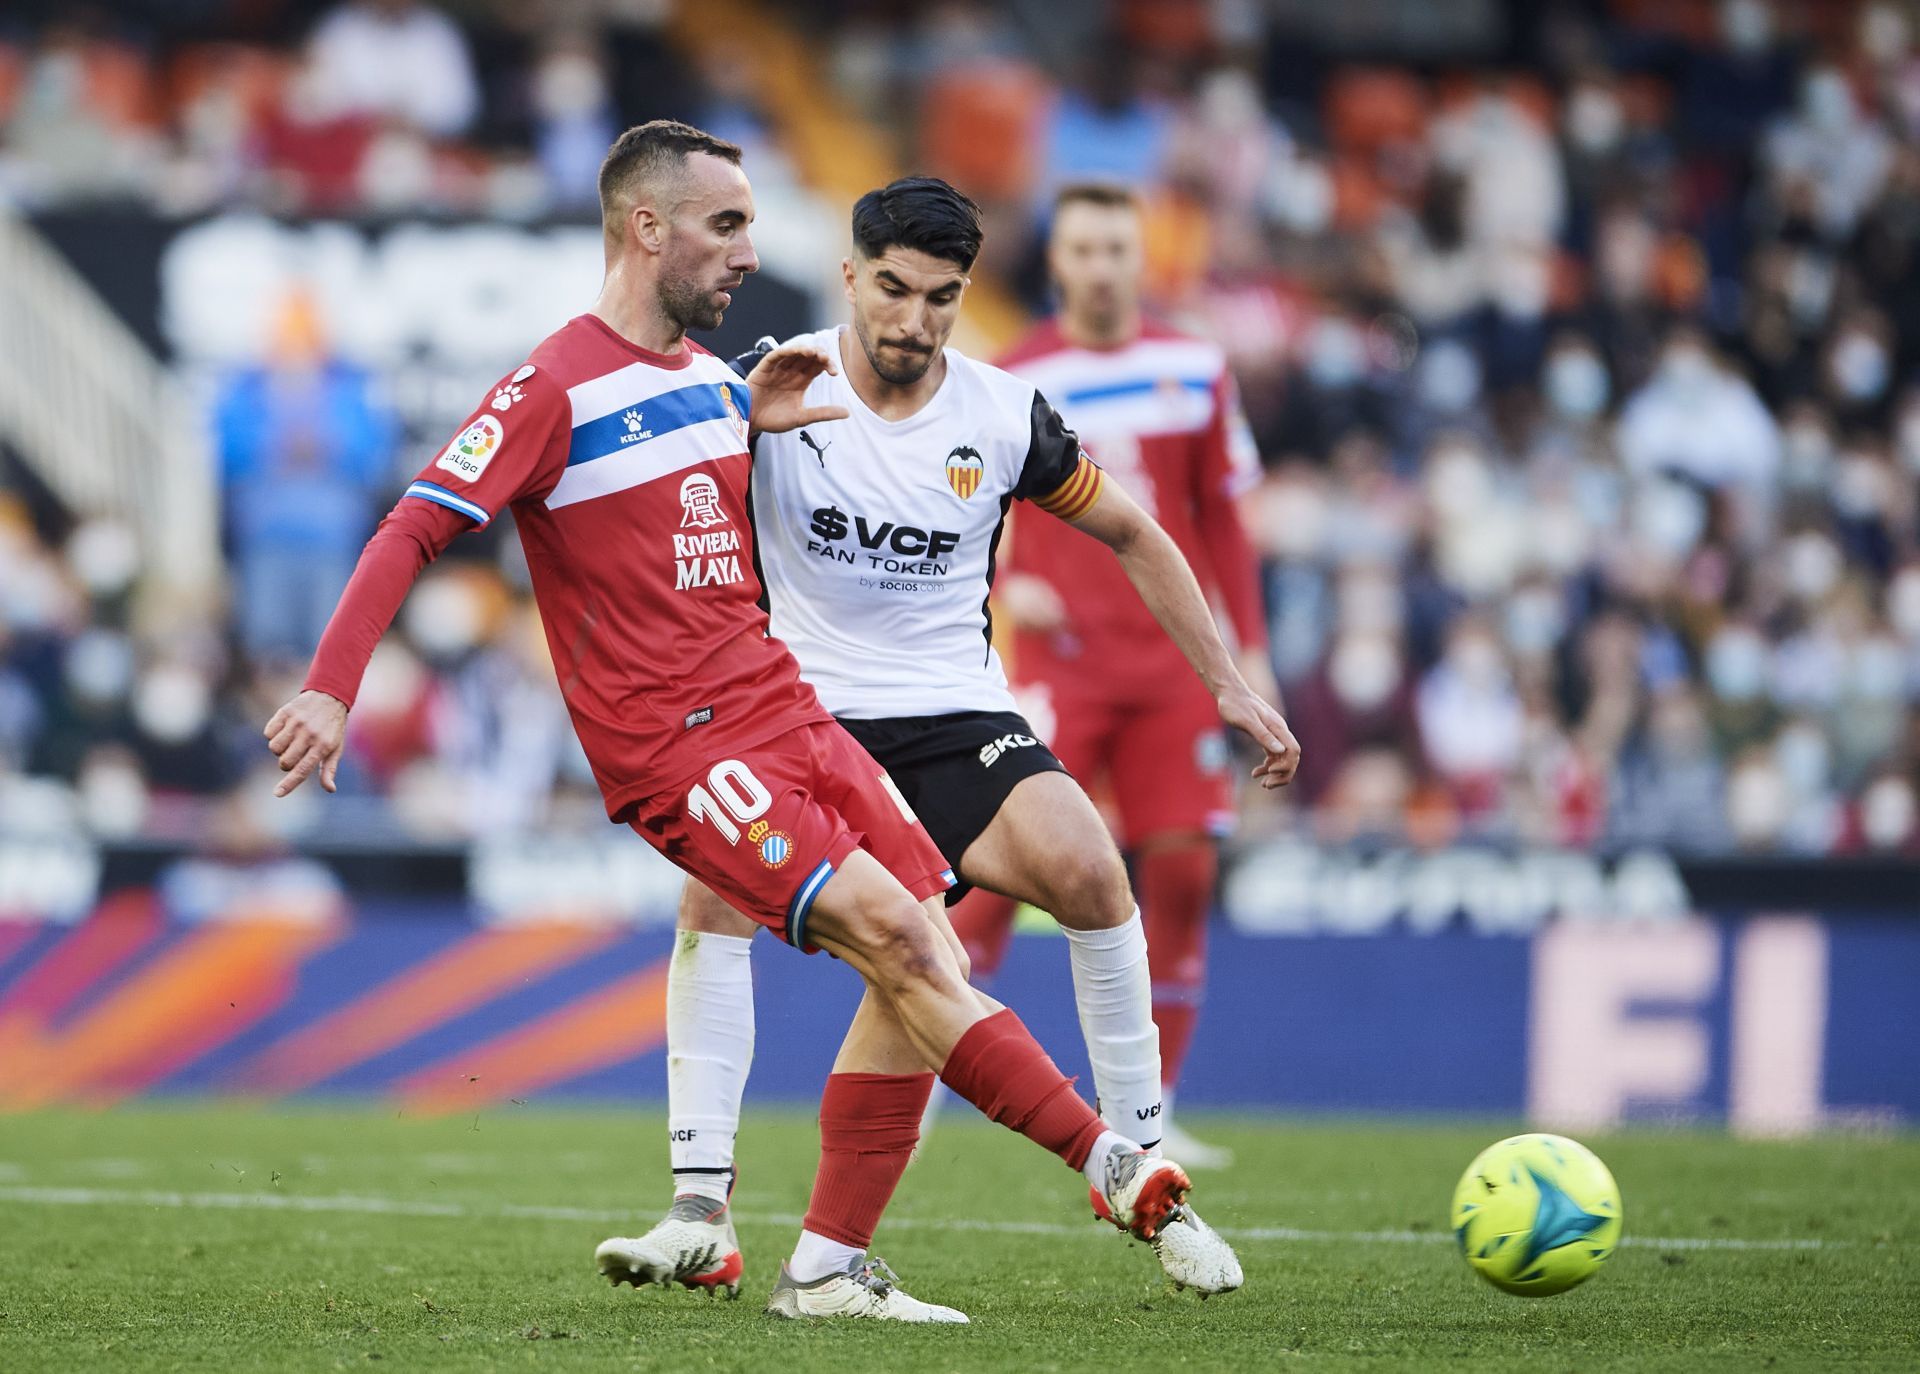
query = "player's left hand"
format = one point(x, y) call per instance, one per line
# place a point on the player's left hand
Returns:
point(778, 387)
point(1240, 708)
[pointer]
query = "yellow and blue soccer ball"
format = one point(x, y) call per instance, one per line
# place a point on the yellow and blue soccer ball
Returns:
point(1536, 1214)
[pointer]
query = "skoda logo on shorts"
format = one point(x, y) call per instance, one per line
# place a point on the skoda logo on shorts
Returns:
point(776, 846)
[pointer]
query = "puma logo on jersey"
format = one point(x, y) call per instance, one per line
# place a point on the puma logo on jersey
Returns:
point(990, 754)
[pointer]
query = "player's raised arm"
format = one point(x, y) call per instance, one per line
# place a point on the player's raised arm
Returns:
point(1073, 488)
point(514, 445)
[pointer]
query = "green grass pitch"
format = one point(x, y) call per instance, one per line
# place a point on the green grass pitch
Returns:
point(212, 1237)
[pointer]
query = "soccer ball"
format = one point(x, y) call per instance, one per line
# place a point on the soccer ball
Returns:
point(1536, 1214)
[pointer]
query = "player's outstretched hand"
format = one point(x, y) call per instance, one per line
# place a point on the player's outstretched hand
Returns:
point(778, 385)
point(1243, 710)
point(307, 733)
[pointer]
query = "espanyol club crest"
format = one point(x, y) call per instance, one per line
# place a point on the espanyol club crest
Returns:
point(733, 411)
point(964, 468)
point(700, 500)
point(775, 846)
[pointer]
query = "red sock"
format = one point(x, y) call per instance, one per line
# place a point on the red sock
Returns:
point(868, 1125)
point(1176, 885)
point(984, 923)
point(1000, 1068)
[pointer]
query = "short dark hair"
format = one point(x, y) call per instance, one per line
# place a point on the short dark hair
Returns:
point(647, 150)
point(1110, 195)
point(922, 213)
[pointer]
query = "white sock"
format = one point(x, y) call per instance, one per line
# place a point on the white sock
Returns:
point(815, 1257)
point(1096, 1166)
point(1114, 993)
point(709, 1049)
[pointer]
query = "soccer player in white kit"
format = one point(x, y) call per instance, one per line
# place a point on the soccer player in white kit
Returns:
point(876, 538)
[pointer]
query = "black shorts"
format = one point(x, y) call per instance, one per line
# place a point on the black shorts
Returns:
point(955, 770)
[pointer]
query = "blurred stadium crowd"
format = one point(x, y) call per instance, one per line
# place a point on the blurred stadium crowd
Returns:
point(1586, 377)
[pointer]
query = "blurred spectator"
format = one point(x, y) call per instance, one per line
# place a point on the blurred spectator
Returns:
point(392, 60)
point(303, 450)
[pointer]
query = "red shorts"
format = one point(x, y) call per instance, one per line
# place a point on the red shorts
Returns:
point(1162, 760)
point(767, 827)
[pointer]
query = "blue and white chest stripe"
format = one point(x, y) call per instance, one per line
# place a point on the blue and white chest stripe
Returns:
point(641, 423)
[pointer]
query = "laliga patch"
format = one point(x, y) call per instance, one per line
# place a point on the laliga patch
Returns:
point(775, 846)
point(472, 449)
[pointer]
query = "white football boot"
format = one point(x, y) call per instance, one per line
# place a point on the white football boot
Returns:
point(866, 1288)
point(1146, 1198)
point(694, 1245)
point(1194, 1256)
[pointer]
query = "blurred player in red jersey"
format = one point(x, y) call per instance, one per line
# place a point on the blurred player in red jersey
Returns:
point(622, 449)
point(1158, 410)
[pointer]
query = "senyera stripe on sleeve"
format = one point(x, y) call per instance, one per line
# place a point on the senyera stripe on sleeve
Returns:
point(439, 495)
point(1074, 497)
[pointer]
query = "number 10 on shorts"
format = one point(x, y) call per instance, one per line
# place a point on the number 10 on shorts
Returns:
point(730, 798)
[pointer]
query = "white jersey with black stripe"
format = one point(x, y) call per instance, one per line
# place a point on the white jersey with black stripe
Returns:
point(876, 538)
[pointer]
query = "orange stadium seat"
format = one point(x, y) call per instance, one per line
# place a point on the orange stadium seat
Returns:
point(120, 86)
point(1368, 109)
point(979, 125)
point(256, 76)
point(13, 71)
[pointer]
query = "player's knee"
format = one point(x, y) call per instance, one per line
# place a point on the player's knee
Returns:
point(1088, 889)
point(903, 945)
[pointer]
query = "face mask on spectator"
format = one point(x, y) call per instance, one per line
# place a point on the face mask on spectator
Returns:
point(1757, 801)
point(1801, 753)
point(104, 556)
point(1336, 355)
point(113, 795)
point(1687, 369)
point(171, 703)
point(443, 618)
point(1806, 452)
point(1535, 621)
point(1887, 812)
point(1747, 26)
point(1812, 565)
point(1737, 665)
point(1829, 101)
point(1577, 384)
point(568, 85)
point(1670, 516)
point(1884, 35)
point(99, 667)
point(1909, 435)
point(1449, 377)
point(1595, 120)
point(1877, 673)
point(1858, 486)
point(1859, 367)
point(1478, 661)
point(1903, 603)
point(1364, 670)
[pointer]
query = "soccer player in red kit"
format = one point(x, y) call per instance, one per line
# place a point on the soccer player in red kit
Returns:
point(1158, 410)
point(622, 450)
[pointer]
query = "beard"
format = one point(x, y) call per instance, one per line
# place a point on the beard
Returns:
point(896, 368)
point(691, 305)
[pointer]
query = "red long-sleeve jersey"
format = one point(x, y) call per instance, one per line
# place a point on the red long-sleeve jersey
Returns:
point(1161, 415)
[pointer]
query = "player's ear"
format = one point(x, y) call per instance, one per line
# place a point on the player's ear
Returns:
point(648, 227)
point(848, 274)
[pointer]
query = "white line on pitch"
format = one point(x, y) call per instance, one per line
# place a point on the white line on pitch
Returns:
point(386, 1206)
